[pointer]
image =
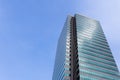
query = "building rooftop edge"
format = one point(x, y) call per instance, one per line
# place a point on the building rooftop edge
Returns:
point(83, 16)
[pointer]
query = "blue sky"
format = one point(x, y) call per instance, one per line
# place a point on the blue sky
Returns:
point(29, 31)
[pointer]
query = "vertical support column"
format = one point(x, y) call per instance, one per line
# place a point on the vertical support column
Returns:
point(74, 51)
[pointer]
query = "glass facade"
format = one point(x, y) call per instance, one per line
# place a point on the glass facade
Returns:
point(94, 57)
point(62, 60)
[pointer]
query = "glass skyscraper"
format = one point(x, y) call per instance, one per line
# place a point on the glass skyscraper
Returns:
point(83, 52)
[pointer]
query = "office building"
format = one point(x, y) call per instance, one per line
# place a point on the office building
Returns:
point(83, 52)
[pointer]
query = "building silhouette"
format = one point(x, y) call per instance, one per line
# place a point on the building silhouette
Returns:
point(83, 52)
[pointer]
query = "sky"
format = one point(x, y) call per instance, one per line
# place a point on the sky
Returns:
point(29, 31)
